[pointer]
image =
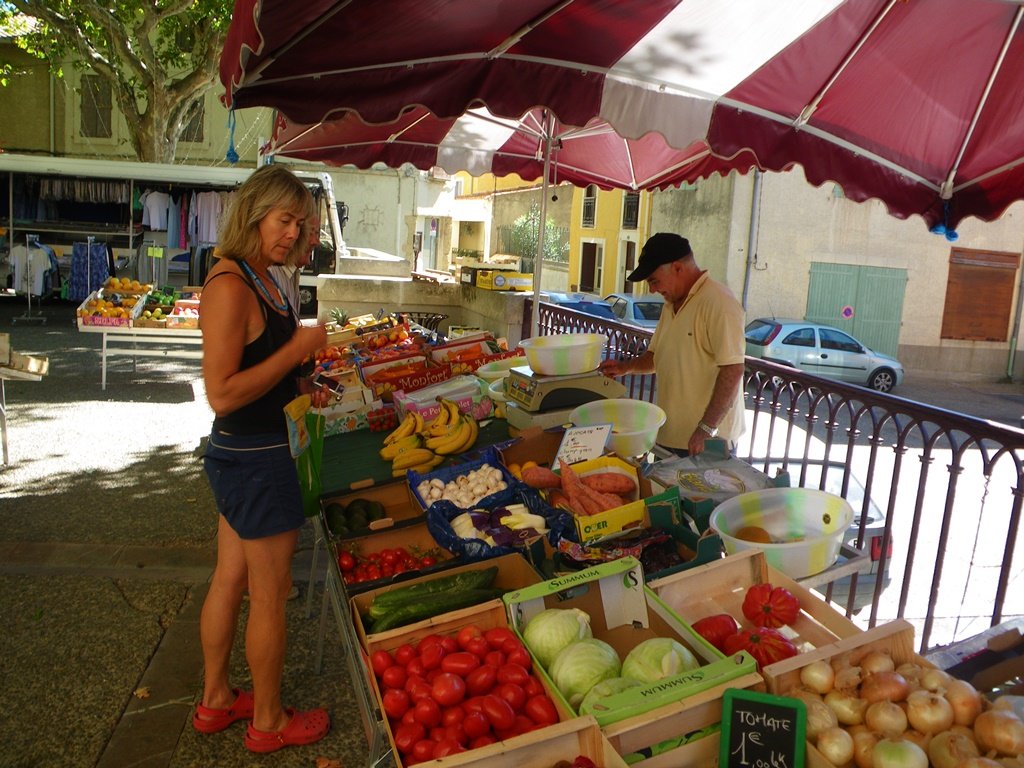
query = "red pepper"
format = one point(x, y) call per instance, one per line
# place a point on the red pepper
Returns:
point(768, 606)
point(716, 628)
point(766, 645)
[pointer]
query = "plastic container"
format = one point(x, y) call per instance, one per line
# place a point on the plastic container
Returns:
point(498, 370)
point(565, 354)
point(496, 391)
point(635, 423)
point(805, 527)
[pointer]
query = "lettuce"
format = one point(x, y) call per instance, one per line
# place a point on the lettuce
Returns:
point(656, 659)
point(551, 630)
point(581, 665)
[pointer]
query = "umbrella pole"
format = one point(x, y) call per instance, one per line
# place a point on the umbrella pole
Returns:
point(538, 260)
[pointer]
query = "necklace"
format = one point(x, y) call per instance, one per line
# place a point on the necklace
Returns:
point(280, 306)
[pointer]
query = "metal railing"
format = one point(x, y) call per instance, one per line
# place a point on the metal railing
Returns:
point(937, 495)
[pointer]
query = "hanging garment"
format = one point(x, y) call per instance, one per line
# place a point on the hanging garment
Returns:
point(174, 222)
point(35, 270)
point(155, 209)
point(90, 267)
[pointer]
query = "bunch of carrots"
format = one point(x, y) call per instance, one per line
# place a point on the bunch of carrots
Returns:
point(590, 494)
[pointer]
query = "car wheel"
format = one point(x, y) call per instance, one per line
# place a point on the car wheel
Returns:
point(882, 380)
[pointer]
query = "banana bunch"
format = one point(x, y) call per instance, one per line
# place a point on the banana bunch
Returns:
point(421, 447)
point(417, 459)
point(456, 432)
point(411, 424)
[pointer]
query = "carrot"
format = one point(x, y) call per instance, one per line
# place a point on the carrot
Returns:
point(573, 489)
point(558, 499)
point(609, 482)
point(541, 477)
point(601, 501)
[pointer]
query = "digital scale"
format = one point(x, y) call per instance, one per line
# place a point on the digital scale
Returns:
point(547, 401)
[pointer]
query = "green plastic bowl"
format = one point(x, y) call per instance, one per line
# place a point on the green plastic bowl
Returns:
point(565, 354)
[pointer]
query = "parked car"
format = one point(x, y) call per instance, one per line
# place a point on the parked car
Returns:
point(590, 303)
point(822, 350)
point(642, 311)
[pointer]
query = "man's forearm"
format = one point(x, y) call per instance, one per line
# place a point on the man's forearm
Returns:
point(727, 384)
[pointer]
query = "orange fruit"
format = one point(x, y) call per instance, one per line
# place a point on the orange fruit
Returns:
point(754, 533)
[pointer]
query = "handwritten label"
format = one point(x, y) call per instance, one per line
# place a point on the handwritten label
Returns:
point(583, 443)
point(762, 731)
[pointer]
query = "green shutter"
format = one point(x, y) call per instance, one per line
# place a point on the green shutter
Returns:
point(875, 295)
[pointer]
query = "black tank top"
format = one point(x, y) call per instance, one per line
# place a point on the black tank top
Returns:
point(266, 414)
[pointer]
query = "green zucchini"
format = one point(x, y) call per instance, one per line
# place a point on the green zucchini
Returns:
point(388, 601)
point(428, 606)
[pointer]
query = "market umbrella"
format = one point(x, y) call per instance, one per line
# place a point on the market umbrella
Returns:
point(917, 102)
point(535, 146)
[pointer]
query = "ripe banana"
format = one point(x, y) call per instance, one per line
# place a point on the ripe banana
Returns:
point(444, 431)
point(442, 419)
point(412, 458)
point(420, 468)
point(419, 425)
point(453, 409)
point(389, 452)
point(406, 428)
point(454, 443)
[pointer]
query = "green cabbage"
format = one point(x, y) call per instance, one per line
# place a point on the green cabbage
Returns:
point(550, 631)
point(656, 659)
point(603, 690)
point(581, 665)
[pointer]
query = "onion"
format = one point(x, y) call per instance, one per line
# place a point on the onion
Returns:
point(819, 716)
point(848, 678)
point(849, 709)
point(935, 679)
point(979, 762)
point(911, 673)
point(898, 753)
point(863, 748)
point(921, 739)
point(886, 718)
point(947, 749)
point(818, 676)
point(929, 712)
point(965, 700)
point(884, 686)
point(877, 661)
point(836, 745)
point(1001, 730)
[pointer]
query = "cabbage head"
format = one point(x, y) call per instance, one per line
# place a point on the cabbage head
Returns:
point(603, 690)
point(581, 665)
point(551, 630)
point(658, 658)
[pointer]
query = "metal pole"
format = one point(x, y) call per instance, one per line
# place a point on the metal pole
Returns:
point(755, 215)
point(1016, 326)
point(539, 259)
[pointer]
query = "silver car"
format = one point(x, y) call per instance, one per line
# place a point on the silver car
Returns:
point(822, 350)
point(642, 311)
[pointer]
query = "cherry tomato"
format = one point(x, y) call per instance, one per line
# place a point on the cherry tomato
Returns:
point(346, 561)
point(428, 713)
point(478, 647)
point(496, 637)
point(409, 718)
point(452, 715)
point(460, 663)
point(466, 634)
point(446, 747)
point(403, 653)
point(498, 712)
point(423, 750)
point(476, 725)
point(396, 703)
point(481, 680)
point(541, 710)
point(394, 677)
point(482, 741)
point(387, 570)
point(372, 572)
point(513, 694)
point(448, 689)
point(407, 735)
point(426, 562)
point(380, 660)
point(513, 673)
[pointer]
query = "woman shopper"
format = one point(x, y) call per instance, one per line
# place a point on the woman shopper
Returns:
point(252, 350)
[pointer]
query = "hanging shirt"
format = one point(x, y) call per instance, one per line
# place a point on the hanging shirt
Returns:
point(173, 223)
point(154, 209)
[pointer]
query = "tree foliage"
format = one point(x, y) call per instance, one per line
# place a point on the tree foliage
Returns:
point(160, 57)
point(524, 233)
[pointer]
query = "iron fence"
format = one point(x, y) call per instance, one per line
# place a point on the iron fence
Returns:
point(937, 495)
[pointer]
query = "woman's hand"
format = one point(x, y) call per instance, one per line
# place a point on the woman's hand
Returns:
point(310, 338)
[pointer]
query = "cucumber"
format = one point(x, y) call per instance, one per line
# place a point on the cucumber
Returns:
point(430, 605)
point(396, 598)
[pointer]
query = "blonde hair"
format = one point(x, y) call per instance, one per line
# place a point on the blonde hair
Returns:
point(272, 186)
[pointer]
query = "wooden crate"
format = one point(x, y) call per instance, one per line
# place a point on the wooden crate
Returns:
point(514, 572)
point(719, 587)
point(393, 496)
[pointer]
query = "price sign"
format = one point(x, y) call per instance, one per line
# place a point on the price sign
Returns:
point(582, 443)
point(762, 731)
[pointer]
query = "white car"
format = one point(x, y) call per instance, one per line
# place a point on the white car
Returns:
point(642, 311)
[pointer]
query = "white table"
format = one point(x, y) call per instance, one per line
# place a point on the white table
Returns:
point(183, 343)
point(12, 374)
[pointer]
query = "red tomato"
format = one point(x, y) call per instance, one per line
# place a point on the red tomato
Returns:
point(716, 628)
point(541, 710)
point(431, 638)
point(417, 687)
point(498, 711)
point(409, 718)
point(513, 694)
point(446, 747)
point(396, 703)
point(415, 667)
point(533, 686)
point(476, 725)
point(513, 673)
point(496, 637)
point(460, 663)
point(496, 658)
point(380, 660)
point(766, 645)
point(428, 713)
point(448, 689)
point(452, 715)
point(431, 655)
point(346, 561)
point(481, 680)
point(450, 644)
point(423, 750)
point(482, 741)
point(456, 733)
point(768, 606)
point(394, 677)
point(512, 644)
point(426, 562)
point(478, 647)
point(404, 653)
point(466, 634)
point(473, 704)
point(520, 656)
point(407, 735)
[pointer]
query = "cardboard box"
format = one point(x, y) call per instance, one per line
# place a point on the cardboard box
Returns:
point(720, 586)
point(623, 612)
point(514, 572)
point(88, 320)
point(470, 366)
point(394, 497)
point(467, 350)
point(464, 331)
point(470, 275)
point(469, 392)
point(502, 280)
point(628, 515)
point(348, 417)
point(534, 444)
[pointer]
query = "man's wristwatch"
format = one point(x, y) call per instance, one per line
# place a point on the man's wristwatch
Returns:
point(707, 430)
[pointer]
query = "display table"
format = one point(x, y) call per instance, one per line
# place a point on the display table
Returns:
point(145, 342)
point(12, 374)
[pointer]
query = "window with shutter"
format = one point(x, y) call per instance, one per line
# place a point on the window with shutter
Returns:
point(96, 107)
point(979, 295)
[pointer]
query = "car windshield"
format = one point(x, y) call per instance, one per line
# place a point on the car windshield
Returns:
point(648, 310)
point(757, 331)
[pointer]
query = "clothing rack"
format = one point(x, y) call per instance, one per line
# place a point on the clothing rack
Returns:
point(29, 316)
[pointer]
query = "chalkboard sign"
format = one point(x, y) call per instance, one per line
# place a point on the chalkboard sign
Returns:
point(762, 731)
